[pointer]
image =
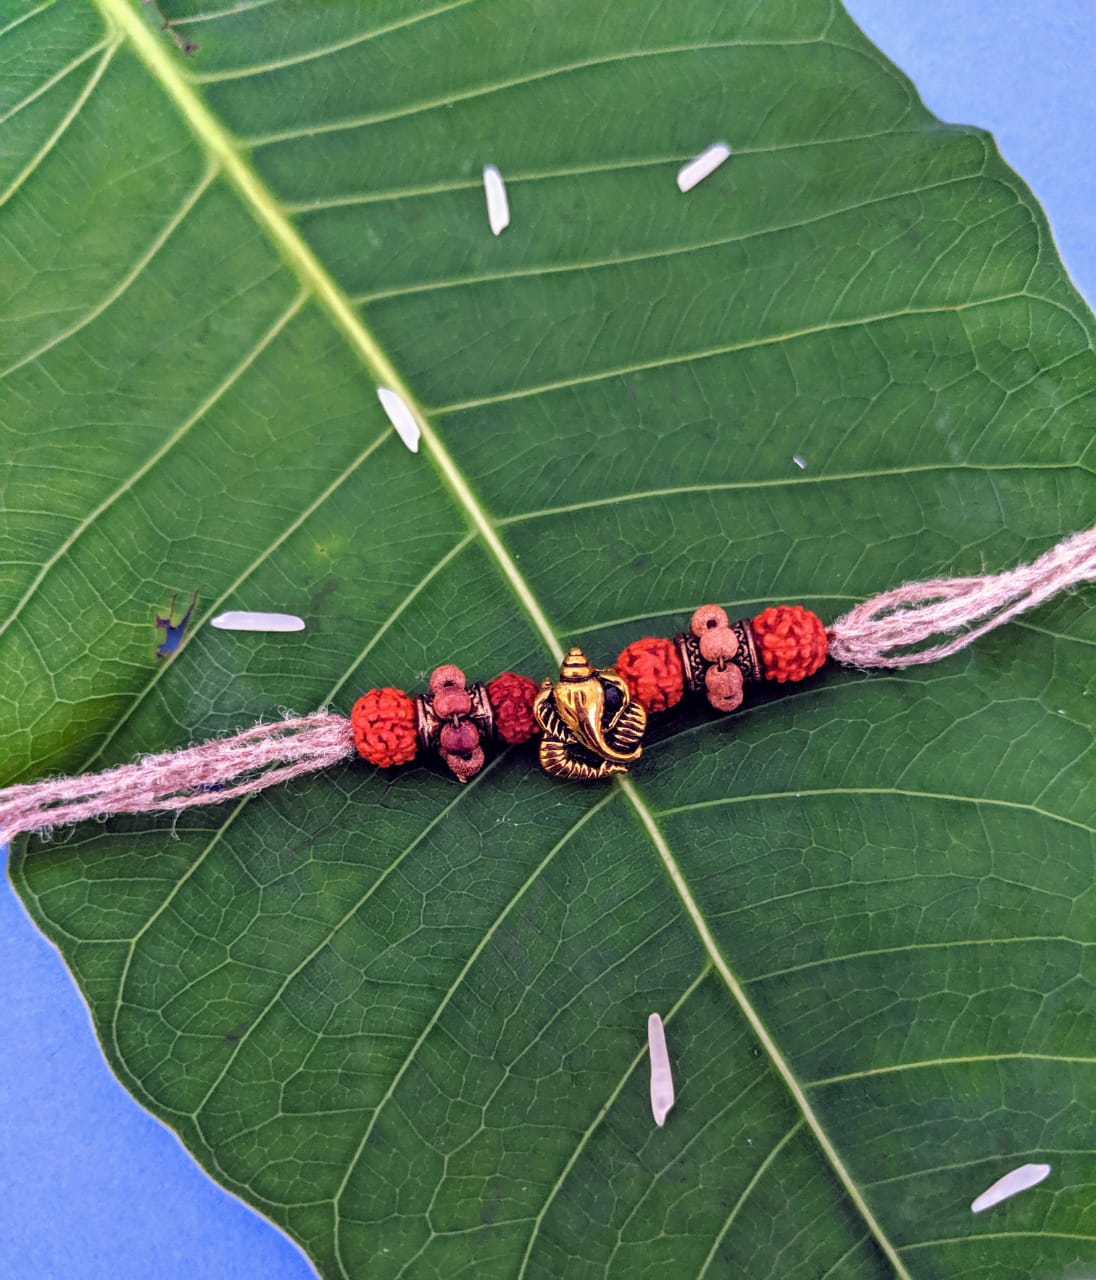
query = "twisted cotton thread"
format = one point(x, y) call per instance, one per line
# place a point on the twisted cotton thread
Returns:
point(870, 634)
point(223, 769)
point(268, 754)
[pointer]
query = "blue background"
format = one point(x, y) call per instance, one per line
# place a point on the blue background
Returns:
point(94, 1188)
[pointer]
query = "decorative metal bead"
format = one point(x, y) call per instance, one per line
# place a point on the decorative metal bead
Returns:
point(455, 720)
point(712, 641)
point(591, 725)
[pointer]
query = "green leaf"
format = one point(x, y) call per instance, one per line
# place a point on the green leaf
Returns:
point(404, 1018)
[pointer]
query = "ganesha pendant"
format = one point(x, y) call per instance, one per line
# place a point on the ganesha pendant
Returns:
point(591, 725)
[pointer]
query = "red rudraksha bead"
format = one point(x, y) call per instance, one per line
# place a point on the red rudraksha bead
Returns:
point(384, 727)
point(791, 642)
point(653, 672)
point(511, 697)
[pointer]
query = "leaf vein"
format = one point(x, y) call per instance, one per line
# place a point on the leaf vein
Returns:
point(657, 255)
point(172, 440)
point(477, 951)
point(271, 1002)
point(115, 292)
point(261, 68)
point(56, 78)
point(946, 945)
point(960, 1060)
point(759, 1173)
point(707, 353)
point(873, 791)
point(25, 17)
point(594, 1124)
point(62, 127)
point(783, 482)
point(500, 86)
point(753, 1018)
point(999, 1235)
point(565, 171)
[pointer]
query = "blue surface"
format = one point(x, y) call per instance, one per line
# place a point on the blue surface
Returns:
point(94, 1188)
point(1025, 71)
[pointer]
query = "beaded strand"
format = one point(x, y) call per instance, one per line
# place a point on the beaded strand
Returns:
point(714, 657)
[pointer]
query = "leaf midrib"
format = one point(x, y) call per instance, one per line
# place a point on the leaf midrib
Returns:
point(268, 213)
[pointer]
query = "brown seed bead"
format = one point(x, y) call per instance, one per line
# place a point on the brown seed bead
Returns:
point(447, 677)
point(459, 747)
point(707, 617)
point(452, 702)
point(724, 687)
point(464, 767)
point(718, 644)
point(451, 698)
point(458, 739)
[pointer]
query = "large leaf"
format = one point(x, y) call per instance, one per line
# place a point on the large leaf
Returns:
point(404, 1018)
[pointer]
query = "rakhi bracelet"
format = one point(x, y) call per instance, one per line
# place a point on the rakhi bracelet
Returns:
point(590, 722)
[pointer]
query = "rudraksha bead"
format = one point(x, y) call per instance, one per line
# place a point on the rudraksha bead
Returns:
point(383, 721)
point(511, 697)
point(791, 642)
point(652, 670)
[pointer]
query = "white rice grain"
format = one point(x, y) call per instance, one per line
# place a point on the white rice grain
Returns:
point(1021, 1179)
point(242, 620)
point(400, 416)
point(662, 1080)
point(702, 165)
point(498, 203)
